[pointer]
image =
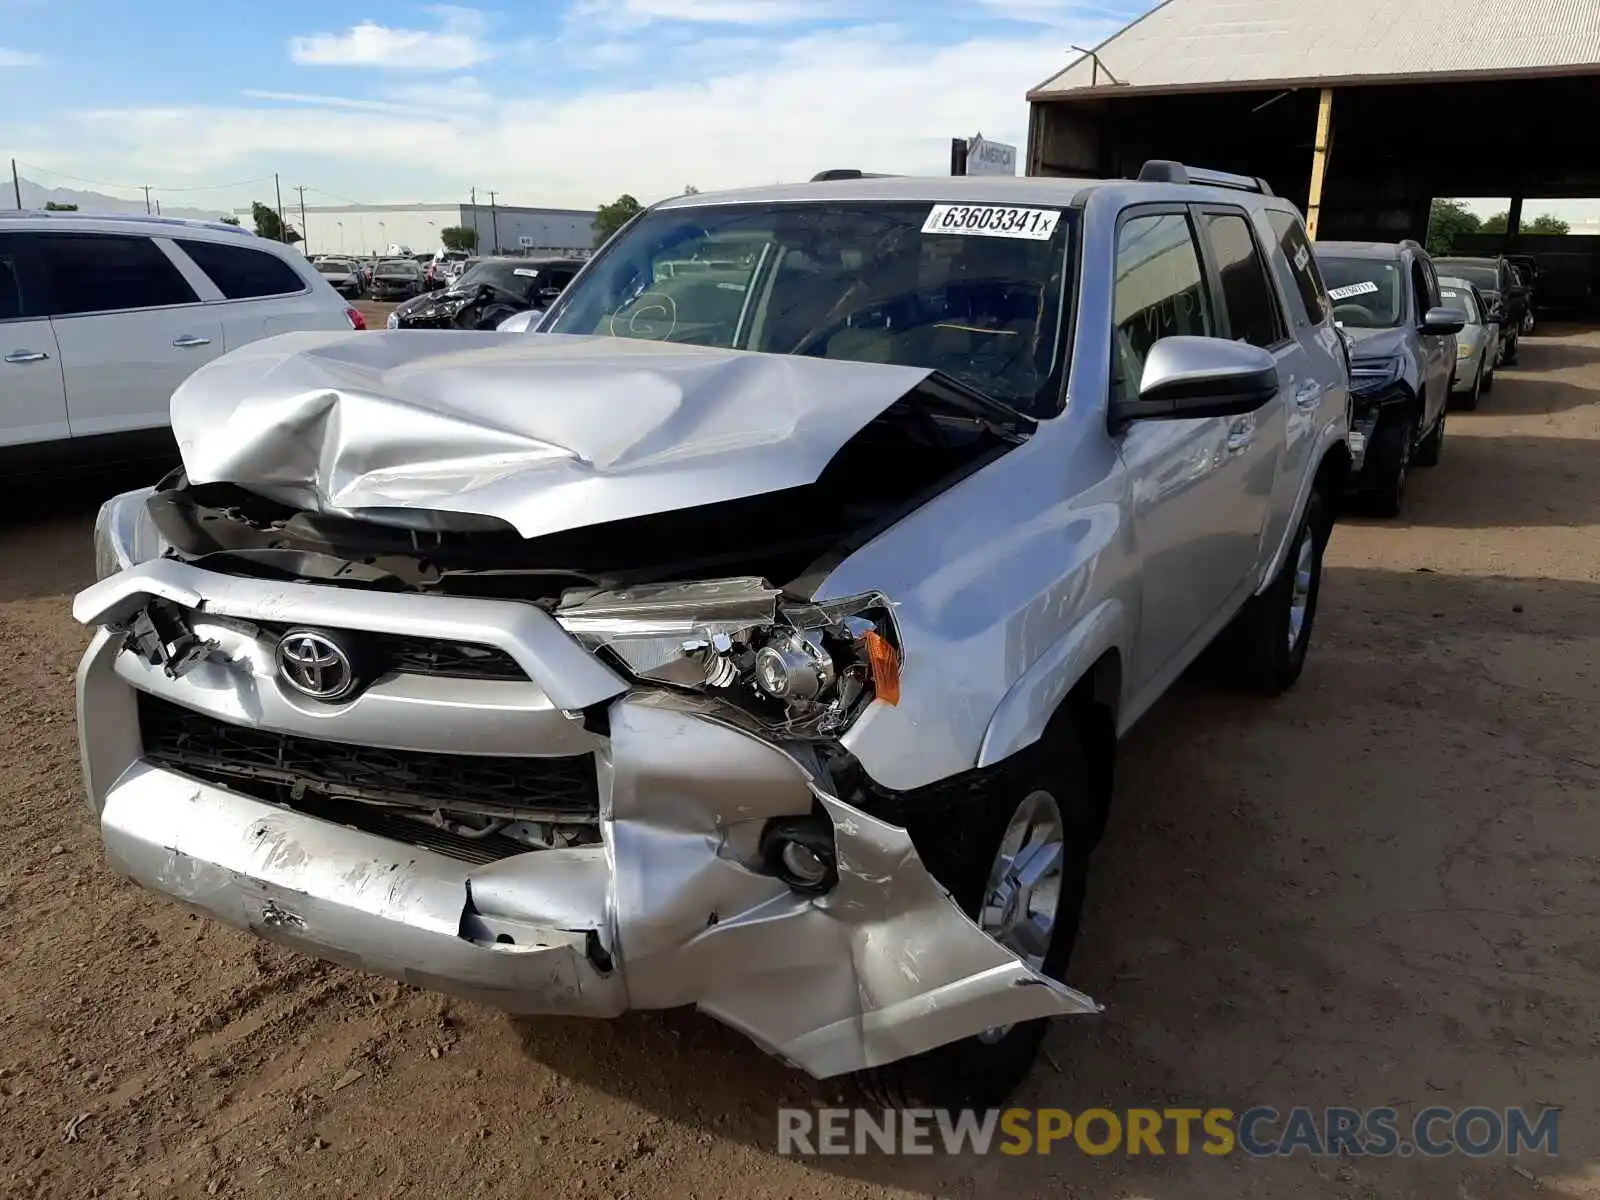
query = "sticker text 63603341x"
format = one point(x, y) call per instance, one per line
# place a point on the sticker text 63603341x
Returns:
point(993, 220)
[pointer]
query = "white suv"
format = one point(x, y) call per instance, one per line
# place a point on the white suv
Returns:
point(102, 317)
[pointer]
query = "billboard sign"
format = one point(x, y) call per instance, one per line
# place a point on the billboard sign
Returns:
point(990, 158)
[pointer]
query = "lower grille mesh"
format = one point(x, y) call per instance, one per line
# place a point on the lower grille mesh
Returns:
point(562, 789)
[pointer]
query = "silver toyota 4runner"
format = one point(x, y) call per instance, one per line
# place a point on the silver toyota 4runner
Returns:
point(756, 636)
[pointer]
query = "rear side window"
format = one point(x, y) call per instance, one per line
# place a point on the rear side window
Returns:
point(1296, 247)
point(241, 273)
point(1247, 293)
point(101, 272)
point(1159, 292)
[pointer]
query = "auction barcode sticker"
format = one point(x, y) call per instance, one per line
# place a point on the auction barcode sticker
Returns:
point(1364, 288)
point(993, 220)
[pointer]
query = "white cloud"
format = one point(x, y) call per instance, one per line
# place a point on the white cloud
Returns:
point(864, 96)
point(19, 58)
point(633, 13)
point(457, 43)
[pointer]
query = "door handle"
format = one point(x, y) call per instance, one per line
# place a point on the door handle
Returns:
point(188, 341)
point(1308, 397)
point(26, 356)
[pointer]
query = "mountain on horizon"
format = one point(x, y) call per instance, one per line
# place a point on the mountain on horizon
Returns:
point(36, 195)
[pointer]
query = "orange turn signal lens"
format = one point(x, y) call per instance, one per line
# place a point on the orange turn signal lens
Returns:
point(884, 662)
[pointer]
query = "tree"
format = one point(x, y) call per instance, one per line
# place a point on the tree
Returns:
point(52, 206)
point(229, 219)
point(268, 226)
point(1449, 220)
point(1544, 223)
point(459, 237)
point(613, 217)
point(691, 190)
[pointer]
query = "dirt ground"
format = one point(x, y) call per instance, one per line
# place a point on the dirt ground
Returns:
point(1381, 889)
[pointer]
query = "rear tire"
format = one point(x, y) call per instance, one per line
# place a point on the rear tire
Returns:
point(1264, 650)
point(961, 849)
point(1488, 377)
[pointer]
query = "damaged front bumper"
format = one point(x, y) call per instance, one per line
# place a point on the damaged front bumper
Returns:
point(671, 904)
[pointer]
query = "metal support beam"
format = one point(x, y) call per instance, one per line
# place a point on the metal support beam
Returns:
point(1513, 224)
point(1319, 161)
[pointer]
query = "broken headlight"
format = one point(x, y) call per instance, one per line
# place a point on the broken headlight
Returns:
point(805, 669)
point(125, 534)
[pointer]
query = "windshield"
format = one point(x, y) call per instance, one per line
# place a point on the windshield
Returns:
point(1484, 278)
point(398, 266)
point(521, 279)
point(975, 291)
point(335, 266)
point(1365, 291)
point(1454, 297)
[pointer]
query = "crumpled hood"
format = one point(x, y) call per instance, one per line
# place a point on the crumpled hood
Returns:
point(546, 432)
point(1377, 343)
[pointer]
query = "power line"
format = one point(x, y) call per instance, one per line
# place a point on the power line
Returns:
point(139, 187)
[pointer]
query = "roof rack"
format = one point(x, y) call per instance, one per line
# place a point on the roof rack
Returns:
point(140, 218)
point(1162, 170)
point(834, 173)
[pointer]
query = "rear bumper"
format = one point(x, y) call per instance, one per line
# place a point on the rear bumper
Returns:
point(673, 907)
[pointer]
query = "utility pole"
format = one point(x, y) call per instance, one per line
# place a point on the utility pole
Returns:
point(494, 222)
point(278, 188)
point(305, 234)
point(158, 208)
point(147, 197)
point(16, 184)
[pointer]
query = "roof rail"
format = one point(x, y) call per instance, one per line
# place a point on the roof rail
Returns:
point(834, 173)
point(1163, 170)
point(140, 218)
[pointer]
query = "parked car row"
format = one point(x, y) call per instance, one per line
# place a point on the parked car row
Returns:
point(487, 293)
point(1426, 335)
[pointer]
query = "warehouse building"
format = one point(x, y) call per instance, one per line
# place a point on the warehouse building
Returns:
point(1361, 111)
point(373, 228)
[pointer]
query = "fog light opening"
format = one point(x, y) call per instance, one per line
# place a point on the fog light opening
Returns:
point(800, 852)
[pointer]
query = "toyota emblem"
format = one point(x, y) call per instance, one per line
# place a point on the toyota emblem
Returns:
point(315, 665)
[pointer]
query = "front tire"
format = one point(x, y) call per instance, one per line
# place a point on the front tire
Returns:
point(1512, 349)
point(1431, 448)
point(1394, 447)
point(1016, 862)
point(1468, 402)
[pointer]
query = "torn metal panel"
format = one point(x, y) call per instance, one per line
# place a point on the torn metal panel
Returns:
point(544, 433)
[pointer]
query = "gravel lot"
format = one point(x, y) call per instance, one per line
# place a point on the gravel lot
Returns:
point(1380, 889)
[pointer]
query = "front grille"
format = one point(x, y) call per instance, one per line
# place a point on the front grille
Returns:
point(387, 652)
point(556, 789)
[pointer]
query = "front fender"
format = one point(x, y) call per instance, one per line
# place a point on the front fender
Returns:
point(1033, 699)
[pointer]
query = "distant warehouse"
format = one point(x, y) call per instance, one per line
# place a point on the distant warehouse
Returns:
point(373, 228)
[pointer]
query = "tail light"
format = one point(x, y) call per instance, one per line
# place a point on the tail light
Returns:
point(357, 321)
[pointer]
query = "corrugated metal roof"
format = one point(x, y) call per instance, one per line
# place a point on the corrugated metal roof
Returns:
point(1216, 43)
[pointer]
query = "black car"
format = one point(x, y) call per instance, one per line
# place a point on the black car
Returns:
point(488, 292)
point(396, 279)
point(1506, 296)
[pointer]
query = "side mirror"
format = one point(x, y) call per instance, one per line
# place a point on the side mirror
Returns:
point(1187, 377)
point(1444, 320)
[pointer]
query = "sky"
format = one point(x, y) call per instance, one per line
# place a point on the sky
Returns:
point(554, 102)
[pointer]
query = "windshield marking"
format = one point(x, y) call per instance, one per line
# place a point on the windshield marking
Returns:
point(992, 220)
